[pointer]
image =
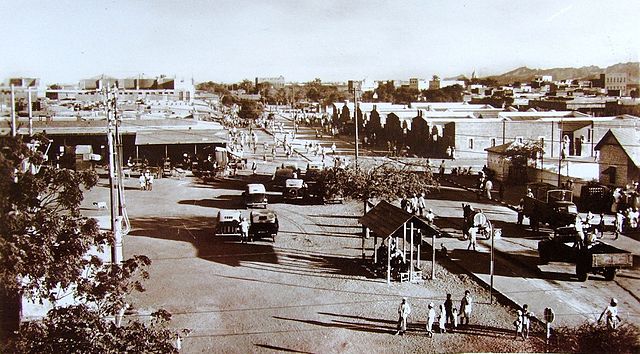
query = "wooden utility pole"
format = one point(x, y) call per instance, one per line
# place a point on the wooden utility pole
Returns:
point(13, 112)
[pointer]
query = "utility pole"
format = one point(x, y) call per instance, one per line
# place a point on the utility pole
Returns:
point(30, 110)
point(355, 116)
point(116, 219)
point(13, 112)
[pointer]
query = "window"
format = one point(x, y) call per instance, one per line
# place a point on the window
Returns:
point(493, 142)
point(470, 145)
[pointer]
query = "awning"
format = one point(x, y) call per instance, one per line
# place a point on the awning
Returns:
point(179, 137)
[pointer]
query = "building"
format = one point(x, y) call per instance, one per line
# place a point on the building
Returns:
point(619, 161)
point(276, 82)
point(162, 88)
point(418, 84)
point(436, 83)
point(616, 84)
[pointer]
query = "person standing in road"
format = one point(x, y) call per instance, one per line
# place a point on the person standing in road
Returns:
point(473, 231)
point(403, 314)
point(466, 305)
point(430, 217)
point(244, 230)
point(520, 210)
point(518, 325)
point(333, 148)
point(441, 169)
point(526, 320)
point(611, 313)
point(448, 306)
point(488, 185)
point(414, 204)
point(619, 221)
point(422, 204)
point(149, 181)
point(431, 319)
point(143, 182)
point(442, 320)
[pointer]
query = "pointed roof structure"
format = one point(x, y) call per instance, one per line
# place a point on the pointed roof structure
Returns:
point(627, 138)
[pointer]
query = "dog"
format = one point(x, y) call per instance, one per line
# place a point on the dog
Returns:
point(100, 205)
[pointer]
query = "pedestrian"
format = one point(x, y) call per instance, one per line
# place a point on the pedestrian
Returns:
point(619, 221)
point(414, 204)
point(143, 182)
point(529, 193)
point(431, 319)
point(611, 313)
point(254, 167)
point(448, 151)
point(422, 203)
point(488, 185)
point(472, 238)
point(454, 312)
point(518, 325)
point(430, 217)
point(579, 242)
point(403, 314)
point(526, 320)
point(244, 230)
point(448, 306)
point(441, 169)
point(333, 148)
point(520, 210)
point(149, 178)
point(442, 320)
point(601, 225)
point(466, 305)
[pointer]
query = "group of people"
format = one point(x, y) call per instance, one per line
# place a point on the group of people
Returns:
point(417, 205)
point(447, 315)
point(146, 181)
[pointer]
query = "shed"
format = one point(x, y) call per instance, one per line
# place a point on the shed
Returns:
point(389, 221)
point(619, 151)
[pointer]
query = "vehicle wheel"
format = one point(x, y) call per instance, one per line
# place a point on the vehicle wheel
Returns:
point(610, 274)
point(581, 272)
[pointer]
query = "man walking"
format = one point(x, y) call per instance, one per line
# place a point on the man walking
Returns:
point(611, 313)
point(403, 313)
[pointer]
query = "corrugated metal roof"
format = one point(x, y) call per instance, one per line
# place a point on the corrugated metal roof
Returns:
point(384, 219)
point(170, 137)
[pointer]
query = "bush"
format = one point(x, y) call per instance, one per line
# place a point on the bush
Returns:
point(593, 338)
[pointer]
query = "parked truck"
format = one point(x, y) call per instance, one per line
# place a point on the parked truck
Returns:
point(595, 258)
point(546, 204)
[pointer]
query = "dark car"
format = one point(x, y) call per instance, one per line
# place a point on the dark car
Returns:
point(294, 189)
point(255, 195)
point(264, 223)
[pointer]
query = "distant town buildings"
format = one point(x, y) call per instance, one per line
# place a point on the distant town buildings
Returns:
point(276, 82)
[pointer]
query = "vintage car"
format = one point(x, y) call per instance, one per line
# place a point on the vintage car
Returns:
point(283, 173)
point(228, 223)
point(294, 189)
point(255, 195)
point(264, 223)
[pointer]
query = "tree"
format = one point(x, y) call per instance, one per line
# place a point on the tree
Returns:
point(44, 244)
point(387, 181)
point(250, 110)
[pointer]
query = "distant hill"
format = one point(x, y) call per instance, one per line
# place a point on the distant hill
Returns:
point(524, 74)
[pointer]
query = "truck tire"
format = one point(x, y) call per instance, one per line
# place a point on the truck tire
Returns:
point(581, 272)
point(610, 274)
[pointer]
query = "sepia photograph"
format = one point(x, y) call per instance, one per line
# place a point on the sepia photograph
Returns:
point(305, 176)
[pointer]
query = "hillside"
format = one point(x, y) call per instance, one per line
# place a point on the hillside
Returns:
point(524, 74)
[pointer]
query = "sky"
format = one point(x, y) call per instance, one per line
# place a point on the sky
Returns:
point(335, 40)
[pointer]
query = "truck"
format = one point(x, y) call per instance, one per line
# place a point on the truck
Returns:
point(545, 203)
point(596, 257)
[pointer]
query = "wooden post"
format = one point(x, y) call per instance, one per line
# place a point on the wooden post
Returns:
point(375, 253)
point(389, 260)
point(404, 240)
point(433, 256)
point(411, 265)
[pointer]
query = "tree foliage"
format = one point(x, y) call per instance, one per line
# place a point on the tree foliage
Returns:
point(520, 153)
point(386, 181)
point(44, 254)
point(250, 109)
point(43, 237)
